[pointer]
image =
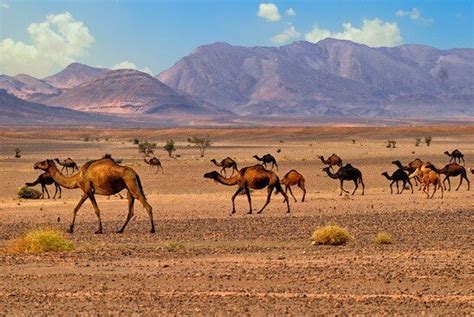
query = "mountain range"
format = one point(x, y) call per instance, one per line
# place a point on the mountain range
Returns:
point(222, 82)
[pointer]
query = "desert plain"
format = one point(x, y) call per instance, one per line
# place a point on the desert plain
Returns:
point(203, 261)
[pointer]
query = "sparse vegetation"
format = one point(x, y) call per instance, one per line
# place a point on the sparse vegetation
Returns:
point(146, 147)
point(26, 192)
point(353, 141)
point(173, 246)
point(331, 235)
point(383, 238)
point(86, 139)
point(201, 143)
point(417, 141)
point(170, 147)
point(391, 144)
point(17, 153)
point(428, 140)
point(39, 241)
point(136, 141)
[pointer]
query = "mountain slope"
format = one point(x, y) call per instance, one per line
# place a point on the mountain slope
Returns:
point(331, 77)
point(26, 87)
point(74, 75)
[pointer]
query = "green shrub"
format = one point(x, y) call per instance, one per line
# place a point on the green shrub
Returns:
point(331, 235)
point(28, 193)
point(39, 241)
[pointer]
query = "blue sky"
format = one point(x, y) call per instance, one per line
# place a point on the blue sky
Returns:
point(153, 35)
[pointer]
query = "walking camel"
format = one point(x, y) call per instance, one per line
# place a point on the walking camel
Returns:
point(154, 162)
point(101, 177)
point(294, 178)
point(67, 164)
point(46, 179)
point(347, 173)
point(428, 175)
point(398, 176)
point(225, 164)
point(333, 160)
point(410, 168)
point(453, 170)
point(267, 159)
point(251, 177)
point(456, 155)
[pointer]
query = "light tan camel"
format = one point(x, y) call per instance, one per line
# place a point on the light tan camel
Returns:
point(293, 178)
point(154, 162)
point(225, 164)
point(101, 177)
point(428, 175)
point(67, 164)
point(333, 160)
point(251, 177)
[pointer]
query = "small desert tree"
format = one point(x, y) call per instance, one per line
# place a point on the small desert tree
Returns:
point(146, 147)
point(201, 143)
point(428, 140)
point(170, 147)
point(417, 141)
point(136, 141)
point(17, 153)
point(391, 144)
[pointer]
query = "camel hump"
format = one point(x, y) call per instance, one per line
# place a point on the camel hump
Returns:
point(348, 165)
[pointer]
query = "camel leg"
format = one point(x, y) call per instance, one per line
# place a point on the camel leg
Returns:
point(240, 189)
point(270, 190)
point(74, 213)
point(247, 192)
point(449, 183)
point(404, 182)
point(363, 185)
point(149, 209)
point(97, 212)
point(463, 161)
point(342, 188)
point(460, 182)
point(46, 190)
point(303, 188)
point(162, 170)
point(356, 186)
point(55, 190)
point(42, 191)
point(131, 201)
point(60, 190)
point(391, 189)
point(275, 165)
point(442, 192)
point(291, 192)
point(435, 189)
point(398, 188)
point(225, 172)
point(411, 186)
point(280, 190)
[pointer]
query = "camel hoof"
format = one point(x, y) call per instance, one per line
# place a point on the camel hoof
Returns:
point(249, 213)
point(152, 230)
point(119, 231)
point(70, 230)
point(99, 231)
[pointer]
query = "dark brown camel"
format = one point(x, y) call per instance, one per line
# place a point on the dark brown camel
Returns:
point(154, 162)
point(293, 178)
point(101, 177)
point(398, 176)
point(267, 159)
point(453, 170)
point(67, 164)
point(410, 168)
point(225, 164)
point(251, 177)
point(333, 160)
point(347, 173)
point(456, 155)
point(46, 179)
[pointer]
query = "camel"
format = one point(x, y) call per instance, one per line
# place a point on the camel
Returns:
point(225, 164)
point(251, 177)
point(154, 162)
point(46, 179)
point(455, 155)
point(267, 159)
point(428, 174)
point(347, 173)
point(333, 160)
point(410, 168)
point(294, 178)
point(67, 164)
point(398, 176)
point(454, 169)
point(101, 177)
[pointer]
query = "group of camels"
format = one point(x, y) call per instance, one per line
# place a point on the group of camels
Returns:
point(106, 177)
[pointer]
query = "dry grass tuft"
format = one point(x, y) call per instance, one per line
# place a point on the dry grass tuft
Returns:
point(383, 238)
point(173, 246)
point(331, 235)
point(39, 241)
point(28, 193)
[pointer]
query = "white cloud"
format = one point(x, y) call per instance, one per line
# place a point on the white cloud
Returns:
point(290, 12)
point(130, 65)
point(4, 5)
point(269, 12)
point(415, 15)
point(54, 44)
point(373, 33)
point(287, 35)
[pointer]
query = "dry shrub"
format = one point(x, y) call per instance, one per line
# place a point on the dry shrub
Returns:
point(383, 238)
point(28, 193)
point(172, 246)
point(39, 241)
point(331, 235)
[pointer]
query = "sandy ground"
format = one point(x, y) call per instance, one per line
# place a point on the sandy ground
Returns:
point(202, 261)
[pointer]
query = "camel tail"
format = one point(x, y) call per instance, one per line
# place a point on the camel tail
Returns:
point(140, 186)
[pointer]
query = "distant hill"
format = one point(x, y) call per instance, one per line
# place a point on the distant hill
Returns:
point(27, 87)
point(74, 75)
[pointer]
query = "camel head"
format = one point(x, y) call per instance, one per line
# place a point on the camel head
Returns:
point(57, 160)
point(447, 153)
point(256, 156)
point(384, 174)
point(43, 165)
point(212, 175)
point(214, 161)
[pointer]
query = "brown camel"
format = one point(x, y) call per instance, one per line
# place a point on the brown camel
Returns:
point(411, 168)
point(267, 159)
point(154, 162)
point(428, 175)
point(101, 177)
point(225, 164)
point(456, 155)
point(398, 176)
point(333, 160)
point(67, 164)
point(251, 177)
point(46, 179)
point(294, 178)
point(453, 170)
point(347, 173)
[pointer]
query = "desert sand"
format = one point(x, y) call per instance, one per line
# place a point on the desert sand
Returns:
point(202, 261)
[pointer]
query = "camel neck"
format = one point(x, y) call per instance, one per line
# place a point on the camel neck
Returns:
point(69, 182)
point(331, 174)
point(228, 181)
